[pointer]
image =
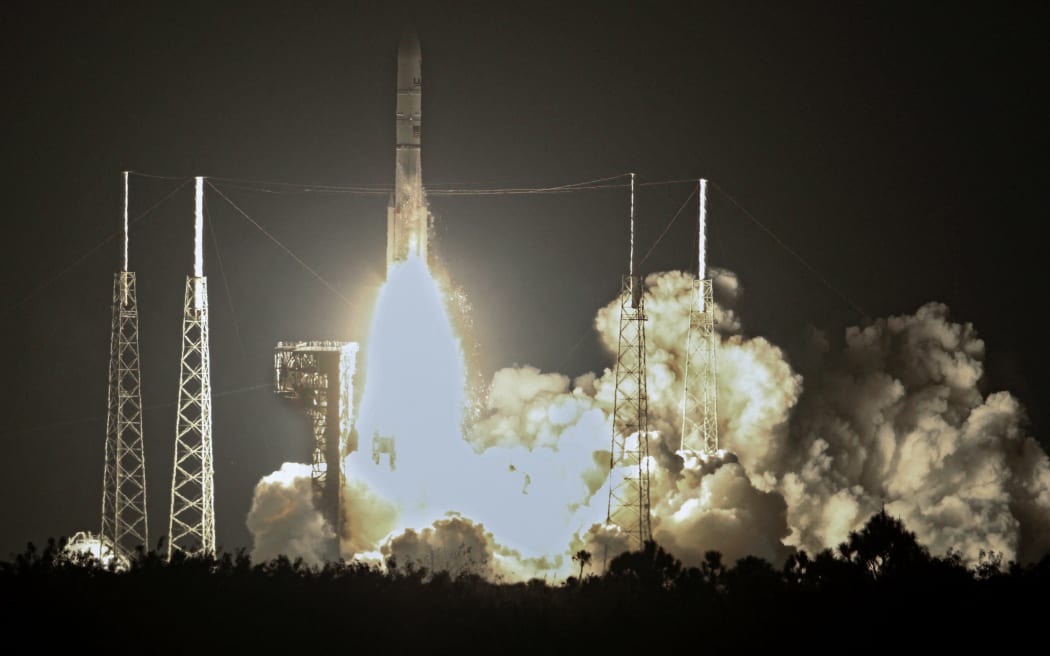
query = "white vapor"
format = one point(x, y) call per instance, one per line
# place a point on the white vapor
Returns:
point(283, 518)
point(894, 417)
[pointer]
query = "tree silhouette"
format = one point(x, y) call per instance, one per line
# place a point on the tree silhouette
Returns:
point(884, 547)
point(651, 566)
point(583, 557)
point(879, 572)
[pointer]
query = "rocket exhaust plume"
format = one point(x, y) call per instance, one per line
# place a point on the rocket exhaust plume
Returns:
point(893, 417)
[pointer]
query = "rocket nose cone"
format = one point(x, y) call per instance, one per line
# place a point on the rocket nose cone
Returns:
point(408, 47)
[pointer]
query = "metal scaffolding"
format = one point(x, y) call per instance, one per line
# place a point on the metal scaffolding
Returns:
point(318, 375)
point(191, 526)
point(700, 388)
point(629, 458)
point(628, 506)
point(699, 402)
point(124, 520)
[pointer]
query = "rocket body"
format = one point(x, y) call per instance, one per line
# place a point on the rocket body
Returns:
point(408, 220)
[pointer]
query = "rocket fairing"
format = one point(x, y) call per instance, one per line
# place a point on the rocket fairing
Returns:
point(407, 216)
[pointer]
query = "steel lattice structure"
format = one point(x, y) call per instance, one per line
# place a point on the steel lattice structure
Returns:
point(192, 523)
point(124, 519)
point(319, 376)
point(628, 507)
point(699, 402)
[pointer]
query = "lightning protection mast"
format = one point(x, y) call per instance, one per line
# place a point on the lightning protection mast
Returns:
point(191, 527)
point(124, 521)
point(628, 506)
point(699, 399)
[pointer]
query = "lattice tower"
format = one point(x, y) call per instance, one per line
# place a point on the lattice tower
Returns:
point(124, 518)
point(318, 375)
point(628, 505)
point(191, 526)
point(700, 395)
point(699, 405)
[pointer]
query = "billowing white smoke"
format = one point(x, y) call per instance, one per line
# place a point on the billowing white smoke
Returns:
point(895, 418)
point(283, 518)
point(414, 464)
point(454, 545)
point(714, 505)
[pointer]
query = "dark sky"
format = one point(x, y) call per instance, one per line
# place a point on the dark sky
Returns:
point(899, 148)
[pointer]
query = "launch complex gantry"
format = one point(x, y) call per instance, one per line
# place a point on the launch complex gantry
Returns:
point(318, 375)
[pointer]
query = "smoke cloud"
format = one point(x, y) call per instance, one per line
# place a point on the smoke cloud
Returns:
point(283, 519)
point(897, 418)
point(894, 416)
point(454, 545)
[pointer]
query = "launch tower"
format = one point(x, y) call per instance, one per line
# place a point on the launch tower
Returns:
point(319, 377)
point(628, 507)
point(699, 402)
point(191, 525)
point(124, 521)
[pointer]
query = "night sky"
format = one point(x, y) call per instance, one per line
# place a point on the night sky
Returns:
point(899, 150)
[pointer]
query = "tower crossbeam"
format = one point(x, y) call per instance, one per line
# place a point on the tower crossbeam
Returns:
point(191, 526)
point(124, 517)
point(699, 402)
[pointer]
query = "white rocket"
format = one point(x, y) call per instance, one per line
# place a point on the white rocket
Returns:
point(407, 216)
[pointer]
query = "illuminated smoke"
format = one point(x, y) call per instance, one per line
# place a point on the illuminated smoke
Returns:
point(532, 468)
point(411, 422)
point(895, 417)
point(454, 545)
point(283, 519)
point(716, 505)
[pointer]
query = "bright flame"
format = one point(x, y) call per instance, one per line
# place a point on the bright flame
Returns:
point(898, 421)
point(412, 409)
point(412, 453)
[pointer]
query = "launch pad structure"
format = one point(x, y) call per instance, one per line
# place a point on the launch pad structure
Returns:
point(628, 506)
point(700, 388)
point(191, 524)
point(318, 376)
point(124, 519)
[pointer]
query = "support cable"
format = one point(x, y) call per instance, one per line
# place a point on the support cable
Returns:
point(287, 250)
point(263, 186)
point(668, 226)
point(90, 252)
point(101, 418)
point(791, 251)
point(225, 280)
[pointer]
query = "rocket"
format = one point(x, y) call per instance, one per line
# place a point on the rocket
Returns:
point(408, 220)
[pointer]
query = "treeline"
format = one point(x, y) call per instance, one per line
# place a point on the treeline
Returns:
point(880, 589)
